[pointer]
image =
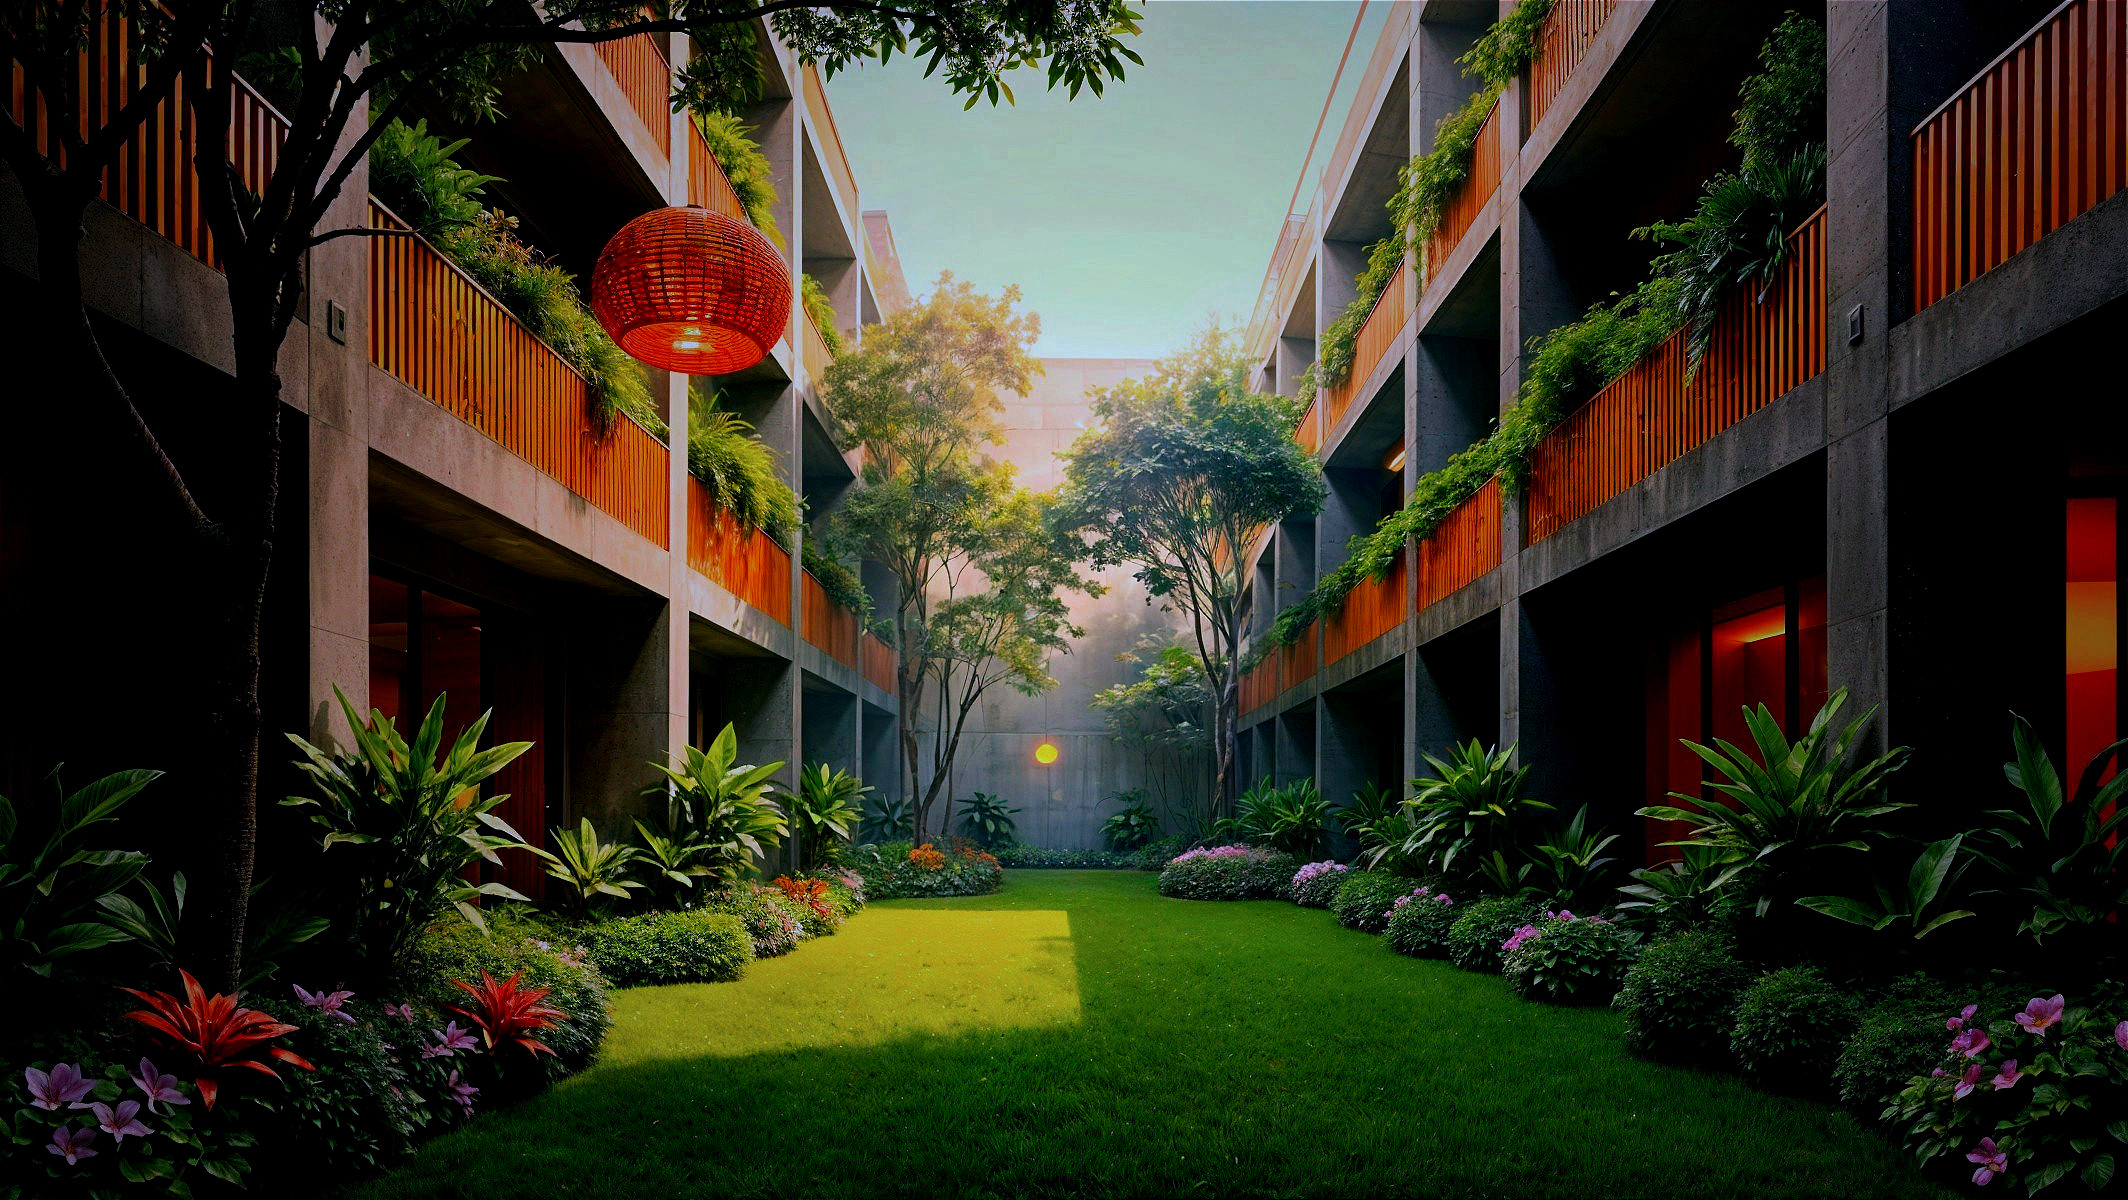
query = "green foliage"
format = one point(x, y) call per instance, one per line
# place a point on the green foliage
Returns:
point(821, 312)
point(1507, 47)
point(745, 168)
point(1899, 1036)
point(1289, 818)
point(2060, 854)
point(1133, 825)
point(359, 1111)
point(1315, 884)
point(1680, 998)
point(1790, 1026)
point(1228, 873)
point(1783, 109)
point(415, 174)
point(843, 586)
point(1420, 926)
point(897, 870)
point(1569, 960)
point(52, 884)
point(699, 946)
point(400, 829)
point(1474, 807)
point(1363, 899)
point(1426, 184)
point(272, 927)
point(1376, 821)
point(824, 810)
point(718, 819)
point(1165, 715)
point(737, 467)
point(1571, 866)
point(1686, 892)
point(1912, 906)
point(593, 873)
point(1337, 348)
point(885, 819)
point(987, 821)
point(1150, 857)
point(770, 925)
point(455, 951)
point(1474, 938)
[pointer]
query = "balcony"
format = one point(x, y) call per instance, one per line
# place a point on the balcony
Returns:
point(707, 185)
point(1309, 433)
point(744, 562)
point(1259, 685)
point(440, 333)
point(1648, 417)
point(1376, 338)
point(2036, 140)
point(1297, 659)
point(638, 65)
point(1568, 32)
point(828, 626)
point(879, 666)
point(1462, 548)
point(814, 349)
point(1469, 200)
point(1370, 610)
point(816, 102)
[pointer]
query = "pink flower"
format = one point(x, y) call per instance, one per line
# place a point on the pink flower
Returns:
point(2008, 1076)
point(1958, 1022)
point(1517, 938)
point(450, 1039)
point(157, 1086)
point(2120, 1035)
point(461, 1092)
point(64, 1087)
point(1968, 1081)
point(328, 1003)
point(1992, 1161)
point(404, 1012)
point(2040, 1014)
point(120, 1122)
point(1971, 1042)
point(73, 1146)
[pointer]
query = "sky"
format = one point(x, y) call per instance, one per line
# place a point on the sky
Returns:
point(1130, 219)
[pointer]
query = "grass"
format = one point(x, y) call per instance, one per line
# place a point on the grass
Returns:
point(1079, 1035)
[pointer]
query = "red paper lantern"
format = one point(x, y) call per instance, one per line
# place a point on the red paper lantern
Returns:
point(692, 291)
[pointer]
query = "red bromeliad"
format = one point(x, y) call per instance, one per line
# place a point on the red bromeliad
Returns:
point(215, 1031)
point(507, 1013)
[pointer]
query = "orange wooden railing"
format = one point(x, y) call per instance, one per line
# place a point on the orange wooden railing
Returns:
point(154, 180)
point(1568, 31)
point(1649, 416)
point(1376, 337)
point(816, 100)
point(1463, 547)
point(1259, 684)
point(1309, 433)
point(441, 334)
point(1296, 660)
point(707, 184)
point(638, 65)
point(745, 562)
point(828, 625)
point(814, 348)
point(879, 664)
point(2037, 139)
point(1470, 199)
point(1371, 609)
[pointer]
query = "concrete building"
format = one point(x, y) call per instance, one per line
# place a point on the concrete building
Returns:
point(451, 521)
point(1901, 475)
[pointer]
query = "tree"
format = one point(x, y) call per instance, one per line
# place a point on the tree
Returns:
point(347, 69)
point(1165, 716)
point(1180, 472)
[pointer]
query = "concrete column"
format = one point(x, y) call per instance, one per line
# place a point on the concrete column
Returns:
point(1292, 356)
point(831, 730)
point(877, 734)
point(1345, 731)
point(623, 711)
point(1293, 756)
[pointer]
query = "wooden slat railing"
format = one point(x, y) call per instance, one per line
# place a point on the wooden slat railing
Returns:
point(1462, 548)
point(639, 66)
point(441, 334)
point(879, 664)
point(1370, 610)
point(745, 562)
point(814, 349)
point(1297, 659)
point(2039, 138)
point(827, 625)
point(1376, 337)
point(1259, 684)
point(154, 180)
point(707, 184)
point(1309, 433)
point(1470, 199)
point(1564, 39)
point(1648, 417)
point(816, 100)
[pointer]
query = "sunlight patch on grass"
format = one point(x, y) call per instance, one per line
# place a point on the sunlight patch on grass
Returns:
point(912, 973)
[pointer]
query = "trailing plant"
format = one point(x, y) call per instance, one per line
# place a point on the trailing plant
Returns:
point(737, 467)
point(718, 817)
point(1790, 1027)
point(1482, 927)
point(700, 946)
point(1474, 807)
point(593, 872)
point(1560, 958)
point(1419, 923)
point(821, 312)
point(823, 811)
point(1680, 998)
point(2059, 854)
point(1133, 825)
point(843, 587)
point(1364, 899)
point(401, 828)
point(1914, 904)
point(53, 887)
point(987, 821)
point(752, 180)
point(1338, 347)
point(1782, 107)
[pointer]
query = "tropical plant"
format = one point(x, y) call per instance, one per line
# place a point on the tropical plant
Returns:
point(718, 817)
point(1133, 825)
point(593, 872)
point(1376, 822)
point(2060, 853)
point(885, 818)
point(52, 887)
point(1471, 812)
point(1571, 863)
point(1911, 906)
point(1164, 715)
point(823, 811)
point(1686, 891)
point(1289, 818)
point(737, 468)
point(215, 1033)
point(507, 1013)
point(1795, 804)
point(273, 929)
point(401, 829)
point(987, 821)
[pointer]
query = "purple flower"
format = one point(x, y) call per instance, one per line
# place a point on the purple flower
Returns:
point(71, 1145)
point(120, 1122)
point(328, 1003)
point(1992, 1161)
point(157, 1086)
point(1968, 1081)
point(1516, 939)
point(461, 1092)
point(404, 1012)
point(1958, 1022)
point(449, 1039)
point(2008, 1076)
point(64, 1087)
point(1971, 1042)
point(2040, 1014)
point(2120, 1035)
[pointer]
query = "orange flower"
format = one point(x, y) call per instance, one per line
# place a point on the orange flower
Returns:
point(927, 858)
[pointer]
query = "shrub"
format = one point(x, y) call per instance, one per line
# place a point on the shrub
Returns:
point(897, 870)
point(987, 820)
point(1363, 900)
point(1228, 873)
point(1790, 1026)
point(1289, 818)
point(1896, 1038)
point(772, 927)
point(1316, 883)
point(1680, 999)
point(1419, 923)
point(450, 951)
point(1475, 937)
point(1476, 807)
point(718, 818)
point(1133, 825)
point(697, 946)
point(1564, 959)
point(360, 1110)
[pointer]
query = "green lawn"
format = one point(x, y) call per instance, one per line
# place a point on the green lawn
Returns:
point(1078, 1034)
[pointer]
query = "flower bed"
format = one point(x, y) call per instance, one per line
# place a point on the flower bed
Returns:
point(1228, 873)
point(897, 870)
